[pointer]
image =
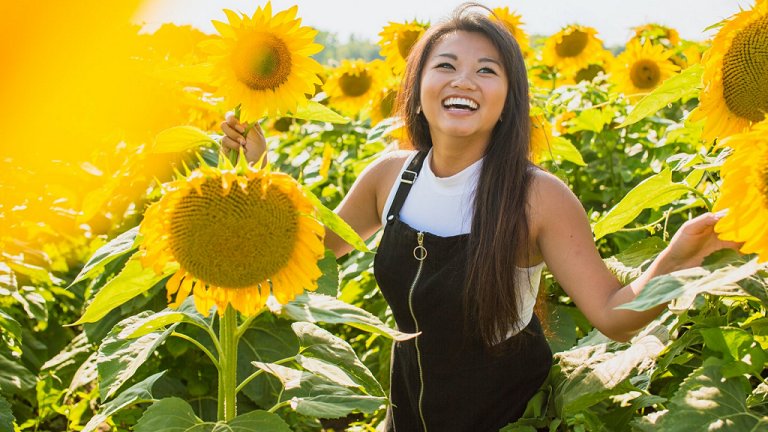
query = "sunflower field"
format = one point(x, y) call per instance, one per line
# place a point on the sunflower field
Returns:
point(152, 281)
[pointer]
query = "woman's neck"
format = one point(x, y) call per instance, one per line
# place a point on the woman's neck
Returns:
point(448, 160)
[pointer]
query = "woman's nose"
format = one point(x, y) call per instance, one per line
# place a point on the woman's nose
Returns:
point(463, 82)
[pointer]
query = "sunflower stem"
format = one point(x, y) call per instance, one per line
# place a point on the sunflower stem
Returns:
point(228, 371)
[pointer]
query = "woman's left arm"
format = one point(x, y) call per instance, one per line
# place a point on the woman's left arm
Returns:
point(560, 229)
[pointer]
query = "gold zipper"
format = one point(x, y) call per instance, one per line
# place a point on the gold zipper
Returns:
point(420, 253)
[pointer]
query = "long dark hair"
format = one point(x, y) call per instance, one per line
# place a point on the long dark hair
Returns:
point(499, 232)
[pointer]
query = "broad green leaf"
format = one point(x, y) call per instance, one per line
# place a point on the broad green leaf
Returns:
point(120, 357)
point(561, 149)
point(328, 283)
point(10, 326)
point(6, 415)
point(138, 393)
point(179, 139)
point(591, 373)
point(323, 345)
point(186, 313)
point(316, 308)
point(593, 119)
point(653, 192)
point(257, 420)
point(14, 377)
point(170, 414)
point(730, 341)
point(707, 401)
point(33, 303)
point(36, 274)
point(683, 286)
point(335, 223)
point(316, 396)
point(117, 247)
point(314, 111)
point(628, 264)
point(133, 280)
point(267, 340)
point(685, 84)
point(384, 128)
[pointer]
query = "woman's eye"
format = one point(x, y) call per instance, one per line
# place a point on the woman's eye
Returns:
point(444, 66)
point(487, 70)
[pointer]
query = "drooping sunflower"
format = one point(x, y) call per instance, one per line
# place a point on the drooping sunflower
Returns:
point(353, 84)
point(237, 235)
point(744, 191)
point(642, 68)
point(514, 23)
point(735, 94)
point(396, 42)
point(541, 137)
point(263, 63)
point(572, 48)
point(657, 34)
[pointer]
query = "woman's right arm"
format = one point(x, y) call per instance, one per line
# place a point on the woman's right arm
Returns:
point(361, 207)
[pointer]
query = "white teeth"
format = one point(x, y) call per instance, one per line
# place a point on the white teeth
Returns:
point(460, 102)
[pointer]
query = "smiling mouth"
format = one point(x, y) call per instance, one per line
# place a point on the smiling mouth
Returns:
point(460, 104)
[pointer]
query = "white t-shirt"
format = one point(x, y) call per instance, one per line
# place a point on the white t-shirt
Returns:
point(444, 206)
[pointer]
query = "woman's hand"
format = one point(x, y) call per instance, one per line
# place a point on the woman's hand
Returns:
point(694, 240)
point(254, 144)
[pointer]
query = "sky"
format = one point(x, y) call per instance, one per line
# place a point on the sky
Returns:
point(613, 19)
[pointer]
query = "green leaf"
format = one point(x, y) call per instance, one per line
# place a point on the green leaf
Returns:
point(683, 286)
point(730, 341)
point(563, 149)
point(179, 139)
point(628, 264)
point(384, 128)
point(335, 223)
point(170, 414)
point(6, 415)
point(685, 84)
point(593, 119)
point(328, 283)
point(186, 313)
point(10, 326)
point(338, 357)
point(133, 280)
point(315, 396)
point(316, 308)
point(36, 274)
point(116, 248)
point(591, 373)
point(138, 393)
point(653, 192)
point(257, 421)
point(268, 339)
point(119, 357)
point(707, 401)
point(14, 378)
point(314, 111)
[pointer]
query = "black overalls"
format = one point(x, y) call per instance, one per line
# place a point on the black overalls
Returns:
point(443, 381)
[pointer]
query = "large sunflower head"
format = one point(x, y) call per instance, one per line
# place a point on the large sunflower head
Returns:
point(396, 42)
point(744, 191)
point(353, 84)
point(237, 235)
point(383, 105)
point(642, 68)
point(263, 63)
point(514, 23)
point(735, 94)
point(572, 48)
point(658, 34)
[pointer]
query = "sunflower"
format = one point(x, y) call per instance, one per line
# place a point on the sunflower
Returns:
point(513, 22)
point(397, 40)
point(656, 33)
point(744, 191)
point(735, 94)
point(572, 48)
point(640, 69)
point(263, 63)
point(353, 84)
point(235, 234)
point(541, 137)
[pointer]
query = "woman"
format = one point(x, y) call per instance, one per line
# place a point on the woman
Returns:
point(468, 223)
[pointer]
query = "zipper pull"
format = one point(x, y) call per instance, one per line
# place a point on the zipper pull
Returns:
point(420, 252)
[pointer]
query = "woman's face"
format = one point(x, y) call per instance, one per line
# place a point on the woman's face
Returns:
point(463, 87)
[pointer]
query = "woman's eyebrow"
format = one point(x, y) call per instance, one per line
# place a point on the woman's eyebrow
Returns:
point(480, 60)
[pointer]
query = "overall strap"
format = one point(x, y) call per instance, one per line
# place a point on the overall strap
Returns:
point(406, 181)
